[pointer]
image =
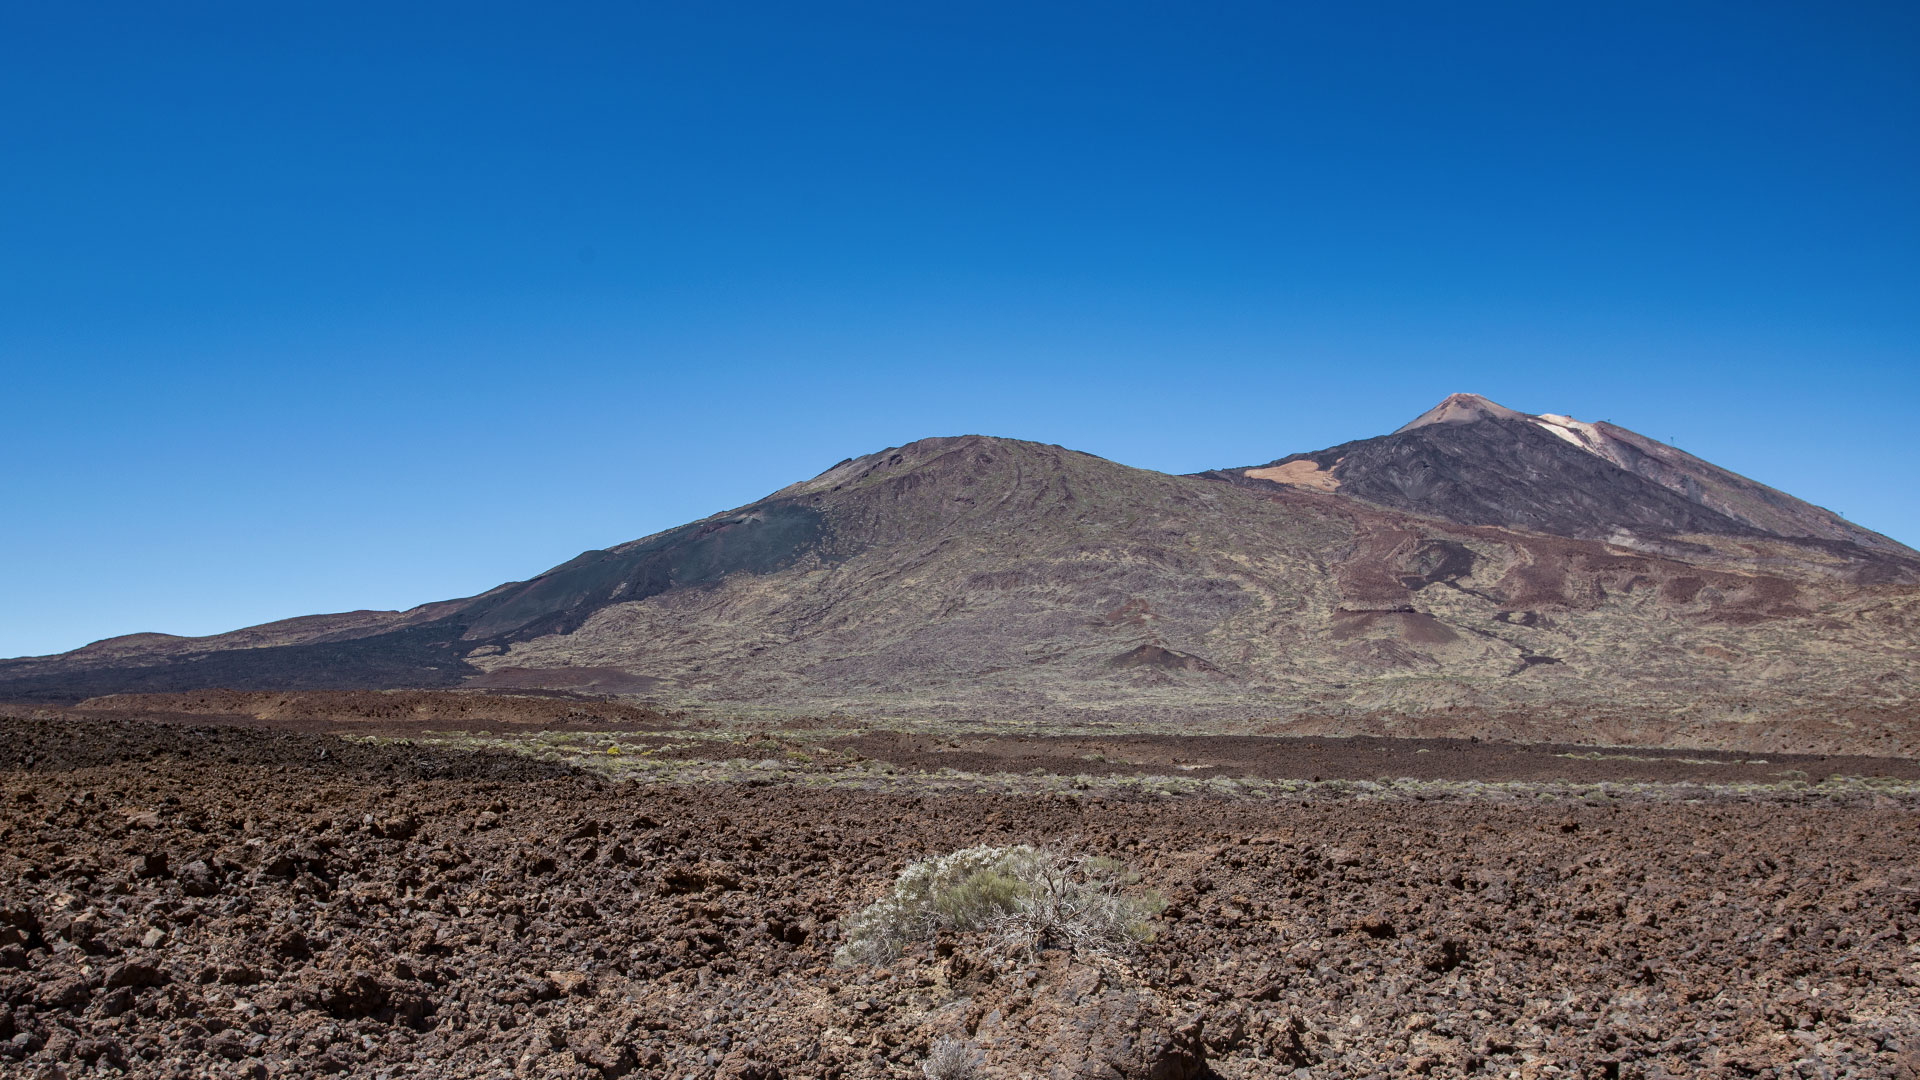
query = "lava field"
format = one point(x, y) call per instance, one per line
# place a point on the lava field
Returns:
point(189, 901)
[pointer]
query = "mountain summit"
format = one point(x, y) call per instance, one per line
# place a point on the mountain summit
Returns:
point(1479, 571)
point(1461, 409)
point(1476, 462)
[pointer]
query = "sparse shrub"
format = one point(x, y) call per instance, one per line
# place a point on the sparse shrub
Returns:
point(1079, 905)
point(964, 890)
point(951, 1059)
point(1031, 897)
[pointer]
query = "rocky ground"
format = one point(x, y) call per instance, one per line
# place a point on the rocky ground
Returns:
point(243, 901)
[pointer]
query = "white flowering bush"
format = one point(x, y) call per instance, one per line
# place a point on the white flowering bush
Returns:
point(1031, 897)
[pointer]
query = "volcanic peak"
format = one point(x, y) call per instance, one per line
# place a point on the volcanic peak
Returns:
point(1474, 461)
point(1462, 409)
point(1473, 408)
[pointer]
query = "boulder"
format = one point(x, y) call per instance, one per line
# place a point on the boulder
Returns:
point(1087, 1019)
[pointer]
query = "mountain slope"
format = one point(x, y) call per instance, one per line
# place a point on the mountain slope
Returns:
point(1454, 572)
point(1476, 462)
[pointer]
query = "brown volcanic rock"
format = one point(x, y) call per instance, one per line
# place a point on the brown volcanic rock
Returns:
point(1067, 1018)
point(389, 711)
point(1718, 937)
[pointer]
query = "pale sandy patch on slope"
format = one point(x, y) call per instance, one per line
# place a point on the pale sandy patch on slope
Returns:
point(1299, 474)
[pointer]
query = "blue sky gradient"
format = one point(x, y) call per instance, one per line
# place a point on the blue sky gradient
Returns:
point(314, 307)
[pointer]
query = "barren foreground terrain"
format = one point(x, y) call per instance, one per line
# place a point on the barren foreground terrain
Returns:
point(180, 898)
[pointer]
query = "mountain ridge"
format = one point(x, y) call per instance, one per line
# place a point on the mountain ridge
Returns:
point(972, 575)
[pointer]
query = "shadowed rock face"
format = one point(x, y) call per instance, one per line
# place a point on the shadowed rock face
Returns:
point(757, 540)
point(1474, 561)
point(430, 648)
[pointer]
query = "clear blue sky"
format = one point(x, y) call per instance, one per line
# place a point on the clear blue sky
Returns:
point(312, 307)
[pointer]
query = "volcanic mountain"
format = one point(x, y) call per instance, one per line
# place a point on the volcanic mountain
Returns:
point(1474, 462)
point(1479, 571)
